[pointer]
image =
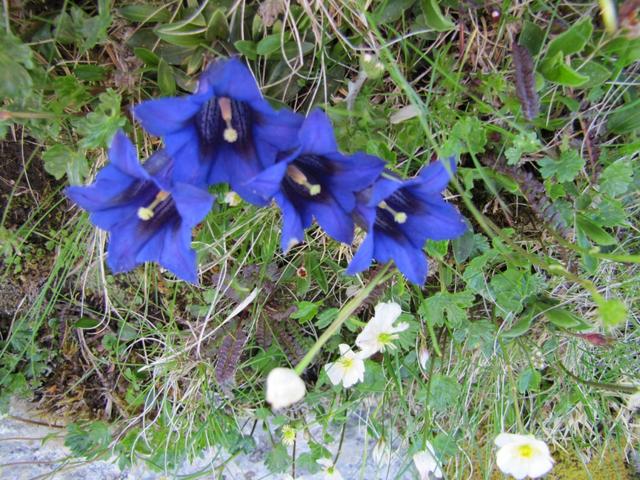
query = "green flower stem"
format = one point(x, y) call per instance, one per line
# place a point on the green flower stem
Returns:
point(344, 313)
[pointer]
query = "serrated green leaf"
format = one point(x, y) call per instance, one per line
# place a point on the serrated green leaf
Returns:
point(612, 312)
point(573, 40)
point(433, 16)
point(59, 160)
point(446, 307)
point(512, 288)
point(278, 459)
point(565, 169)
point(99, 126)
point(616, 179)
point(444, 392)
point(524, 142)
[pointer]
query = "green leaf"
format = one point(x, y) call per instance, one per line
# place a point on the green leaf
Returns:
point(560, 317)
point(99, 126)
point(268, 45)
point(433, 16)
point(463, 246)
point(522, 326)
point(181, 35)
point(278, 459)
point(612, 312)
point(529, 381)
point(88, 441)
point(392, 10)
point(573, 40)
point(166, 79)
point(616, 179)
point(145, 13)
point(147, 56)
point(446, 307)
point(565, 169)
point(59, 160)
point(246, 48)
point(218, 27)
point(437, 248)
point(597, 73)
point(306, 311)
point(625, 119)
point(471, 135)
point(554, 69)
point(86, 322)
point(524, 142)
point(531, 37)
point(444, 391)
point(594, 231)
point(513, 287)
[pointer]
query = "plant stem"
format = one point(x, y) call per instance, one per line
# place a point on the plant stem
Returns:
point(344, 313)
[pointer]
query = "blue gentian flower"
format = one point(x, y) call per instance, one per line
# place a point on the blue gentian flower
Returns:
point(316, 180)
point(149, 219)
point(224, 133)
point(401, 215)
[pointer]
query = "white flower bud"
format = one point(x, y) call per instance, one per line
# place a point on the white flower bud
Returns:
point(284, 388)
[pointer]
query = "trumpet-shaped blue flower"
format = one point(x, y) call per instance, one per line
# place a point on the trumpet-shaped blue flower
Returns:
point(317, 181)
point(224, 133)
point(401, 215)
point(149, 219)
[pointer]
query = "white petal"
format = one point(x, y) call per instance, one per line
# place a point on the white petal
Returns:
point(344, 348)
point(354, 374)
point(425, 463)
point(335, 372)
point(284, 388)
point(508, 438)
point(325, 462)
point(389, 310)
point(401, 327)
point(540, 466)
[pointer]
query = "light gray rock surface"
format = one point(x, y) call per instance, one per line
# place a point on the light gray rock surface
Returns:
point(31, 450)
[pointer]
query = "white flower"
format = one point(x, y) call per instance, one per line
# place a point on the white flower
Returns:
point(289, 435)
point(232, 199)
point(348, 369)
point(379, 333)
point(284, 388)
point(423, 357)
point(330, 471)
point(522, 455)
point(426, 463)
point(381, 452)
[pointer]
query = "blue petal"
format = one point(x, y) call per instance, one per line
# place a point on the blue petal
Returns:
point(239, 166)
point(279, 129)
point(124, 156)
point(231, 78)
point(316, 134)
point(362, 259)
point(267, 183)
point(177, 255)
point(123, 247)
point(333, 220)
point(166, 115)
point(292, 228)
point(410, 261)
point(109, 218)
point(435, 176)
point(193, 204)
point(109, 183)
point(358, 171)
point(442, 221)
point(383, 189)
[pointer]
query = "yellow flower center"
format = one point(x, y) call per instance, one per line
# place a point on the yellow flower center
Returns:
point(146, 213)
point(300, 178)
point(346, 363)
point(230, 134)
point(398, 217)
point(525, 451)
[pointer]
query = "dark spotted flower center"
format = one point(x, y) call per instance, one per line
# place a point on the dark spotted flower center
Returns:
point(306, 174)
point(224, 118)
